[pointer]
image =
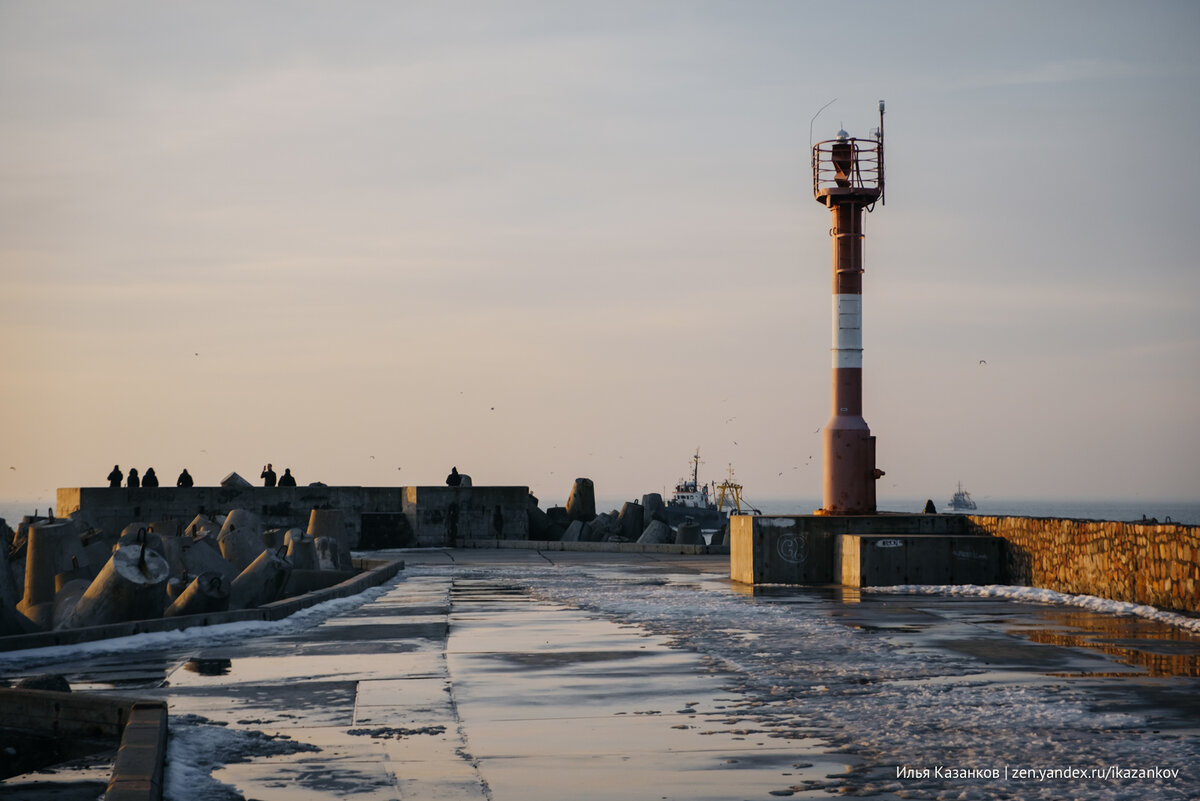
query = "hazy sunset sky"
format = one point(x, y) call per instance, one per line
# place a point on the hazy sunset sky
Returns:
point(540, 240)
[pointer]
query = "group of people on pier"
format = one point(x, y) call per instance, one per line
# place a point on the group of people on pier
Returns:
point(150, 479)
point(286, 480)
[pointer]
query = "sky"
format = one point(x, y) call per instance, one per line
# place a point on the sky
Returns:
point(545, 240)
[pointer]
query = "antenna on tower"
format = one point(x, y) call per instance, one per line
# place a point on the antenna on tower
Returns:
point(814, 119)
point(882, 195)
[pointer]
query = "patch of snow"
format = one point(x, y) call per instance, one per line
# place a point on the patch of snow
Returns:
point(197, 746)
point(194, 637)
point(1041, 596)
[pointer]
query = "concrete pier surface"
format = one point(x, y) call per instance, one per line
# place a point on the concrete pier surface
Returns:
point(525, 674)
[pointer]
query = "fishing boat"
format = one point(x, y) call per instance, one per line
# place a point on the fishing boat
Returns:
point(693, 500)
point(961, 500)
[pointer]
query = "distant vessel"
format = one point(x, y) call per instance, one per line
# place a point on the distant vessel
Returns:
point(961, 500)
point(693, 500)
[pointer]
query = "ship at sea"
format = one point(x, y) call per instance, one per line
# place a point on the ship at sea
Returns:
point(962, 500)
point(693, 501)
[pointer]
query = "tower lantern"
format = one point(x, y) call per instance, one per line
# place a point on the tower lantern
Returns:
point(848, 178)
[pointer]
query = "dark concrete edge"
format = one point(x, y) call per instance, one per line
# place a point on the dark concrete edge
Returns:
point(138, 770)
point(137, 729)
point(375, 572)
point(594, 547)
point(90, 715)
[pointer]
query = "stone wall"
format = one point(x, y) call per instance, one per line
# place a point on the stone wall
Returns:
point(1156, 564)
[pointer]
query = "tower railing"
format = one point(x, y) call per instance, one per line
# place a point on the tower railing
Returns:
point(847, 164)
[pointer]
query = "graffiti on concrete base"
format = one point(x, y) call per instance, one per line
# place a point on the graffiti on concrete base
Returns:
point(792, 549)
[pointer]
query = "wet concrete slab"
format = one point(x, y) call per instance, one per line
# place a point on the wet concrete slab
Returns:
point(557, 703)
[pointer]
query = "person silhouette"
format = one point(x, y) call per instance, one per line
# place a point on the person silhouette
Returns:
point(454, 479)
point(184, 480)
point(114, 478)
point(133, 478)
point(287, 479)
point(268, 476)
point(150, 479)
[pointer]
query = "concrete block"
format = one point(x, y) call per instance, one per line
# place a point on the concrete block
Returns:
point(767, 549)
point(883, 561)
point(138, 769)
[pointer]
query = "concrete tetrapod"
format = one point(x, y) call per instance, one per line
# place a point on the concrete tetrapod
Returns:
point(581, 503)
point(302, 551)
point(241, 538)
point(11, 621)
point(208, 592)
point(540, 524)
point(203, 555)
point(131, 586)
point(66, 600)
point(657, 533)
point(653, 508)
point(137, 533)
point(328, 553)
point(49, 551)
point(261, 582)
point(200, 525)
point(331, 523)
point(689, 534)
point(631, 520)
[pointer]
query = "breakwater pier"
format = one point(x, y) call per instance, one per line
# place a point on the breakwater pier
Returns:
point(534, 674)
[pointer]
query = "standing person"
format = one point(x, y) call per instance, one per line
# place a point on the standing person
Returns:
point(454, 479)
point(114, 478)
point(287, 479)
point(150, 479)
point(268, 476)
point(184, 480)
point(133, 478)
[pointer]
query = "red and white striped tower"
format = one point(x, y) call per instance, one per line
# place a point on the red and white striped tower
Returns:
point(848, 178)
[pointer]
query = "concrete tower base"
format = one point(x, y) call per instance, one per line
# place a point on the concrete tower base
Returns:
point(861, 550)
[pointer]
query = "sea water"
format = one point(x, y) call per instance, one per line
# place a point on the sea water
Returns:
point(1175, 511)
